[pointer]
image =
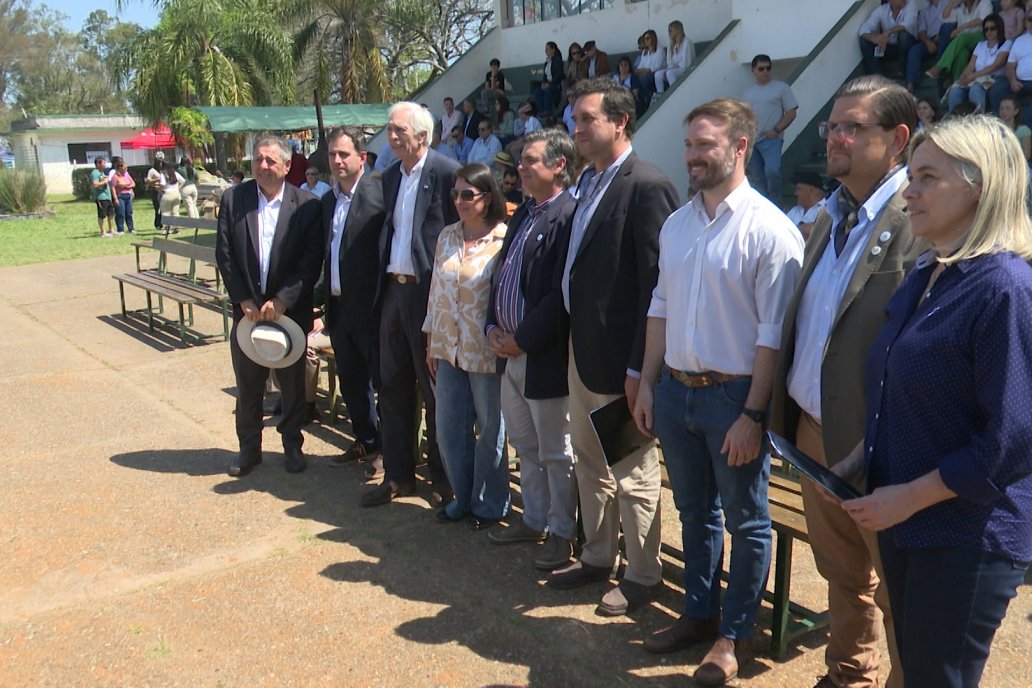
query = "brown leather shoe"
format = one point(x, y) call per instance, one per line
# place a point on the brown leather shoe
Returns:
point(628, 596)
point(386, 493)
point(683, 634)
point(577, 574)
point(720, 664)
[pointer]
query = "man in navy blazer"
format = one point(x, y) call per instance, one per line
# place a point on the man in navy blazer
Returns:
point(611, 269)
point(269, 249)
point(353, 217)
point(528, 329)
point(417, 198)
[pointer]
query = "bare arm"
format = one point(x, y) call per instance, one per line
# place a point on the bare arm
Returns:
point(652, 363)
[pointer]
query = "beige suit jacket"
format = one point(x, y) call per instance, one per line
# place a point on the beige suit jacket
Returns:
point(858, 319)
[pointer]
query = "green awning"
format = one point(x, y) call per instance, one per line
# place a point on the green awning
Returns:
point(293, 117)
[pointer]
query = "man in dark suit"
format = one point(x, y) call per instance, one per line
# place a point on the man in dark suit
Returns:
point(353, 217)
point(528, 329)
point(609, 274)
point(269, 250)
point(416, 194)
point(471, 119)
point(858, 252)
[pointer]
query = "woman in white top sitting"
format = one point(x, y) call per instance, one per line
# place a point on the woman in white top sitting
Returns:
point(679, 56)
point(987, 63)
point(649, 61)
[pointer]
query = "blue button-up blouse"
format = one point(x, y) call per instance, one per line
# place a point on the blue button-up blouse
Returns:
point(949, 386)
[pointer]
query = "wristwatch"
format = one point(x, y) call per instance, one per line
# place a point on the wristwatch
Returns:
point(753, 415)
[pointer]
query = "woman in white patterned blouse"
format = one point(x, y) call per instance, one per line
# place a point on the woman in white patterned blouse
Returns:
point(459, 355)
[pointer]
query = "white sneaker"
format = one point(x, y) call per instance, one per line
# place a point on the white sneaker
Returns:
point(119, 233)
point(107, 235)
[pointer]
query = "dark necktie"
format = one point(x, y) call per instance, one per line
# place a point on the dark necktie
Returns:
point(841, 233)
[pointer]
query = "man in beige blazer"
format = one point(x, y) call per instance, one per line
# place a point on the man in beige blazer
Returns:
point(857, 254)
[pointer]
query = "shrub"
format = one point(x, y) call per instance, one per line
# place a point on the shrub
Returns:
point(81, 183)
point(22, 192)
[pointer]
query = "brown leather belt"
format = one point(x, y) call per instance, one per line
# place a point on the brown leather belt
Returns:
point(401, 279)
point(708, 379)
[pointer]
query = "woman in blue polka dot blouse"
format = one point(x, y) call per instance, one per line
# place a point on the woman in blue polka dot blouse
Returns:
point(948, 443)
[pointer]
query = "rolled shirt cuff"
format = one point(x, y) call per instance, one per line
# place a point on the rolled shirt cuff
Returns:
point(962, 474)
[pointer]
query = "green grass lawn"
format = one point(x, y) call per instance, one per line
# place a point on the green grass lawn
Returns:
point(71, 234)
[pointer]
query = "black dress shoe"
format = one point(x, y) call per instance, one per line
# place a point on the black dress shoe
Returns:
point(244, 463)
point(386, 493)
point(358, 450)
point(577, 574)
point(477, 523)
point(442, 516)
point(312, 415)
point(295, 461)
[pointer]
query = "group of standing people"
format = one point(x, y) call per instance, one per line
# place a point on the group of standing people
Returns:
point(892, 348)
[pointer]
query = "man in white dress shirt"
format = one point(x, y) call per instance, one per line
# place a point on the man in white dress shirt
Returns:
point(728, 264)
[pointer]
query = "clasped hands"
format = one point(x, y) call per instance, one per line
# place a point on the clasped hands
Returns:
point(269, 311)
point(503, 343)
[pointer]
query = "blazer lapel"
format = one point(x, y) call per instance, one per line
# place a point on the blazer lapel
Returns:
point(892, 221)
point(606, 204)
point(250, 205)
point(427, 182)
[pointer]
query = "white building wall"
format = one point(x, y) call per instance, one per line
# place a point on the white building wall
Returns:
point(47, 152)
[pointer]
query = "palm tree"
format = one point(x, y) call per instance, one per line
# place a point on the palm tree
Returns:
point(345, 36)
point(211, 52)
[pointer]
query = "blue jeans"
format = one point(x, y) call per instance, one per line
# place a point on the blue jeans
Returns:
point(916, 56)
point(691, 424)
point(975, 94)
point(898, 51)
point(478, 474)
point(124, 213)
point(544, 98)
point(765, 168)
point(947, 603)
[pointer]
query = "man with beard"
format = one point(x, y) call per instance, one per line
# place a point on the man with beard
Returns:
point(859, 249)
point(728, 263)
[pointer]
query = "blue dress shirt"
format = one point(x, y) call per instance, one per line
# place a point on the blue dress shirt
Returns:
point(949, 386)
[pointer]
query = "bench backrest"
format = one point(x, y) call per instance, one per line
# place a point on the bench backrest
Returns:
point(205, 254)
point(190, 222)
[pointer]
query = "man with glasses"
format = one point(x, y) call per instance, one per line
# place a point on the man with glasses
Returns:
point(858, 252)
point(1018, 77)
point(486, 146)
point(775, 108)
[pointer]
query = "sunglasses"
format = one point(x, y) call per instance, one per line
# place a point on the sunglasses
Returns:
point(466, 194)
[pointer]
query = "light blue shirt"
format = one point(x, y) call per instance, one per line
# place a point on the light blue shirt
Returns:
point(823, 293)
point(319, 189)
point(484, 151)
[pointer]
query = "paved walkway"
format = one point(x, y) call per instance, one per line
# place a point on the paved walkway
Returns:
point(130, 558)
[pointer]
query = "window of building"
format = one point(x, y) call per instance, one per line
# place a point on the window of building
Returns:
point(533, 11)
point(85, 153)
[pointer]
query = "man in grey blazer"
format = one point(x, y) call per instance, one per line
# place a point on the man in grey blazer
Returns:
point(417, 199)
point(269, 250)
point(858, 251)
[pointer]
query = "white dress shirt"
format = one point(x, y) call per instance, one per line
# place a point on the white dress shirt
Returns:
point(449, 122)
point(724, 282)
point(268, 216)
point(340, 218)
point(823, 293)
point(882, 19)
point(404, 207)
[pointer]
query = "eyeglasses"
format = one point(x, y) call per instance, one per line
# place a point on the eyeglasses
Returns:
point(843, 129)
point(762, 68)
point(466, 194)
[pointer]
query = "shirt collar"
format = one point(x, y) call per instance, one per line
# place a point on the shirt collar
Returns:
point(417, 169)
point(278, 199)
point(875, 202)
point(731, 202)
point(338, 192)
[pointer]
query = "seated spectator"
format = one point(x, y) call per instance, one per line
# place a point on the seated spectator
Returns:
point(888, 34)
point(313, 184)
point(1010, 113)
point(927, 112)
point(494, 86)
point(298, 164)
point(547, 91)
point(1013, 15)
point(986, 65)
point(679, 56)
point(384, 158)
point(486, 146)
point(450, 119)
point(237, 177)
point(929, 20)
point(471, 118)
point(626, 77)
point(501, 164)
point(568, 113)
point(510, 186)
point(1017, 74)
point(460, 145)
point(506, 120)
point(649, 61)
point(593, 62)
point(809, 193)
point(525, 124)
point(572, 68)
point(958, 34)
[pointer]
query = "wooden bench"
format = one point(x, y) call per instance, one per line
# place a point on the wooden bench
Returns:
point(789, 620)
point(172, 224)
point(185, 291)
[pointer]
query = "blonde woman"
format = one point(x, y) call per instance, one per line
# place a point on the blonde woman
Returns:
point(459, 355)
point(679, 56)
point(948, 442)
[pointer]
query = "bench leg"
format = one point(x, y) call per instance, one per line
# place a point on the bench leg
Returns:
point(189, 310)
point(782, 585)
point(182, 325)
point(150, 313)
point(225, 321)
point(121, 297)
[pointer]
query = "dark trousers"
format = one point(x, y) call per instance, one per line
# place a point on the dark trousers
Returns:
point(893, 51)
point(947, 603)
point(155, 196)
point(357, 353)
point(403, 371)
point(250, 381)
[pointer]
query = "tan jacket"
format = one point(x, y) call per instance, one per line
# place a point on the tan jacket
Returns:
point(859, 318)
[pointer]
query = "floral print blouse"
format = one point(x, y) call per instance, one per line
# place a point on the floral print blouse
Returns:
point(460, 289)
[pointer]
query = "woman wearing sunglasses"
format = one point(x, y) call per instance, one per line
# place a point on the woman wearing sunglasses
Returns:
point(459, 355)
point(948, 442)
